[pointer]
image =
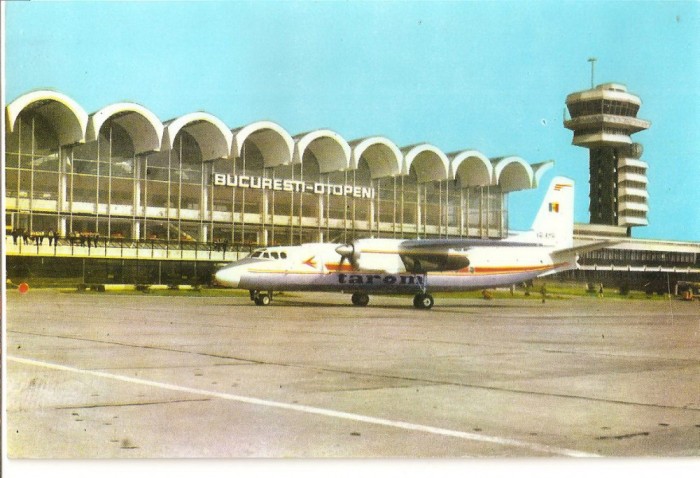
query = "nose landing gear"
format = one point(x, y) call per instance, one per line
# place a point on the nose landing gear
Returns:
point(261, 298)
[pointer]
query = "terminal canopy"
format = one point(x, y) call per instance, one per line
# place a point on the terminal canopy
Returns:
point(143, 127)
point(471, 168)
point(429, 162)
point(274, 142)
point(60, 121)
point(381, 154)
point(67, 118)
point(331, 151)
point(512, 173)
point(210, 133)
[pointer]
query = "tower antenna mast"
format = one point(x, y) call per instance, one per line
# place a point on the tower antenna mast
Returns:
point(592, 61)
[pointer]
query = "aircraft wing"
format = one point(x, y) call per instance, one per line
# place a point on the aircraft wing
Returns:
point(432, 244)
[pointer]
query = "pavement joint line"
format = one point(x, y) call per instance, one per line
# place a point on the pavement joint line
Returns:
point(536, 447)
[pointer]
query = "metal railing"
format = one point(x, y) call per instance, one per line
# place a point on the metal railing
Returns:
point(95, 246)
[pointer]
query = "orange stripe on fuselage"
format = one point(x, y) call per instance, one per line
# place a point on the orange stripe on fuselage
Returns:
point(338, 268)
point(286, 271)
point(501, 270)
point(507, 269)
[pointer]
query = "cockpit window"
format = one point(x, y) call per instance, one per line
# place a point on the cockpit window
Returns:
point(265, 254)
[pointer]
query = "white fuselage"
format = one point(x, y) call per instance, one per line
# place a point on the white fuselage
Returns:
point(380, 269)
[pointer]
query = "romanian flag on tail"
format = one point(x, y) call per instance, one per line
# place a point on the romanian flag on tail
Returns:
point(553, 207)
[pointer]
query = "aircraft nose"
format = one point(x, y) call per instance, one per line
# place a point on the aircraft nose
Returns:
point(229, 277)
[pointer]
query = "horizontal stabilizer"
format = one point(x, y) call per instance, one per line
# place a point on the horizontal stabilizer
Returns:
point(582, 249)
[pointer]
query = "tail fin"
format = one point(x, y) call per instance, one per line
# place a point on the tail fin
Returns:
point(554, 223)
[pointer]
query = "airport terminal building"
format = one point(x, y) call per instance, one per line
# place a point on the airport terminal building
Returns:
point(122, 173)
point(121, 196)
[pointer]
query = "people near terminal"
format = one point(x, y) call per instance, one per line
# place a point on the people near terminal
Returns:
point(600, 290)
point(220, 244)
point(16, 233)
point(543, 292)
point(85, 238)
point(79, 238)
point(25, 237)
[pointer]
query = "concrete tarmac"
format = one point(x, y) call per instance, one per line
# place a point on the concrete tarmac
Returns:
point(103, 375)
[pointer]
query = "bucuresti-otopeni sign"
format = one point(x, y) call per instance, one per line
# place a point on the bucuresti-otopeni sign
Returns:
point(290, 185)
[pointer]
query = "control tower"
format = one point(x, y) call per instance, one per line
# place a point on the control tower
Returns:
point(603, 119)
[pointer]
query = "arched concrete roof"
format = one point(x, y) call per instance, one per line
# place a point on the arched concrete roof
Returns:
point(210, 133)
point(274, 142)
point(538, 170)
point(429, 162)
point(67, 117)
point(331, 150)
point(383, 156)
point(472, 168)
point(143, 127)
point(512, 173)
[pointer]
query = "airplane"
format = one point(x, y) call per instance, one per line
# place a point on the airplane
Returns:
point(417, 267)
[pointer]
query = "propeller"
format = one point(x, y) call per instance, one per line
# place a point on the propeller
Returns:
point(350, 253)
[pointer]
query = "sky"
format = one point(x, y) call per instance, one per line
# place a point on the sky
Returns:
point(491, 76)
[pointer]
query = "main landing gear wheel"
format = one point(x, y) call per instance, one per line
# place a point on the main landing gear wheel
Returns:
point(423, 301)
point(360, 299)
point(259, 298)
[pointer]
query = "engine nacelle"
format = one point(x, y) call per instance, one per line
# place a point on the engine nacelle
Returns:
point(378, 256)
point(422, 263)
